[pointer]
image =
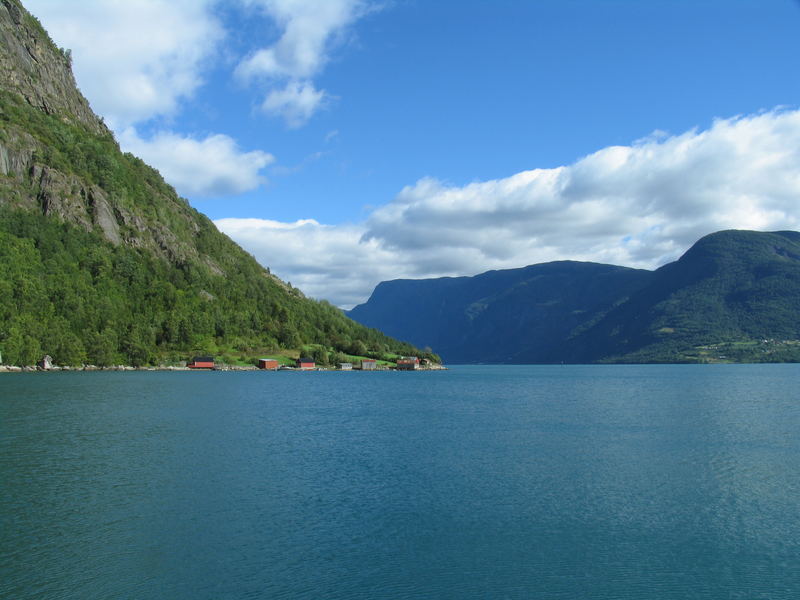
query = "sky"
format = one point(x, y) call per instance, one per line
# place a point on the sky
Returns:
point(347, 142)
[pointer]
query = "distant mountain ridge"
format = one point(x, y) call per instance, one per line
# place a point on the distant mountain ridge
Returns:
point(515, 315)
point(735, 295)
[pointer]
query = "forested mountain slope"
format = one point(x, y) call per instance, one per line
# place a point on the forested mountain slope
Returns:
point(102, 262)
point(734, 296)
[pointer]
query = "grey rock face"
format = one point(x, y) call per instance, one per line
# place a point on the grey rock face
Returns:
point(34, 69)
point(59, 195)
point(103, 215)
point(4, 166)
point(31, 64)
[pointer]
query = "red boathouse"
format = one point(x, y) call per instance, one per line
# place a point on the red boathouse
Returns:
point(269, 364)
point(306, 363)
point(202, 362)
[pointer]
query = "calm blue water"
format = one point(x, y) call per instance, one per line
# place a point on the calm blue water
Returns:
point(580, 482)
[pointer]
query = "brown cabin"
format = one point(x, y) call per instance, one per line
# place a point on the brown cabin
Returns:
point(269, 364)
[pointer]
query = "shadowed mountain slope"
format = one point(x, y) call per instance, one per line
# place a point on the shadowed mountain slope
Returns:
point(516, 315)
point(733, 292)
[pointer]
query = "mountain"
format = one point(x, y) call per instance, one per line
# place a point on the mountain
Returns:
point(733, 296)
point(735, 289)
point(102, 262)
point(511, 316)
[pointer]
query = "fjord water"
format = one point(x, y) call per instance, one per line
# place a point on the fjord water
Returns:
point(479, 482)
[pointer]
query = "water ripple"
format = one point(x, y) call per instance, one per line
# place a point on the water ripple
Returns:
point(481, 482)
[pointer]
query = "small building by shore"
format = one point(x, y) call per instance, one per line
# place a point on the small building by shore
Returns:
point(306, 364)
point(408, 363)
point(369, 364)
point(202, 362)
point(268, 364)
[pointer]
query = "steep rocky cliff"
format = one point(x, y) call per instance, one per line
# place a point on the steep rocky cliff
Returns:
point(31, 65)
point(63, 160)
point(100, 259)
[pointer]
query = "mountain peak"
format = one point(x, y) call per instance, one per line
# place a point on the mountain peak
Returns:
point(735, 244)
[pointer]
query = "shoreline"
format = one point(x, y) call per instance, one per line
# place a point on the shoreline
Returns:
point(128, 368)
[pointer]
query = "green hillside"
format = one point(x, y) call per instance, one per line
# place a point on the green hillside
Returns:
point(102, 262)
point(734, 296)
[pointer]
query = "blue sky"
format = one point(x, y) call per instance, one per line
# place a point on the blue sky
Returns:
point(344, 142)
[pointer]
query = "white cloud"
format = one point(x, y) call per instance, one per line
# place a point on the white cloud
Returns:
point(138, 60)
point(296, 103)
point(640, 205)
point(309, 31)
point(309, 28)
point(667, 192)
point(212, 167)
point(134, 60)
point(324, 261)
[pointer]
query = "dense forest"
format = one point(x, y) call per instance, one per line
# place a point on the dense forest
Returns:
point(75, 296)
point(102, 262)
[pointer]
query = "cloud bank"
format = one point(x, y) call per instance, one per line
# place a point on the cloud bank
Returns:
point(640, 205)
